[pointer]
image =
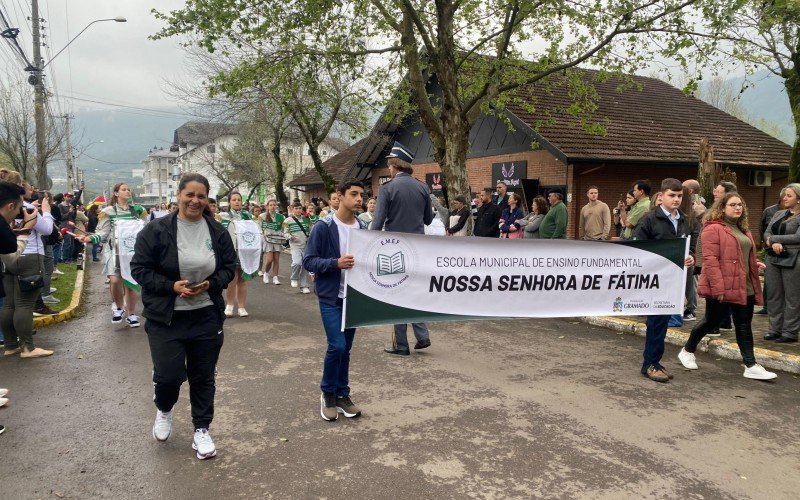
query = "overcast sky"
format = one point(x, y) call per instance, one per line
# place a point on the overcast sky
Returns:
point(111, 61)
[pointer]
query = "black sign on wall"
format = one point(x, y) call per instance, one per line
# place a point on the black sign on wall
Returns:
point(383, 179)
point(436, 182)
point(510, 172)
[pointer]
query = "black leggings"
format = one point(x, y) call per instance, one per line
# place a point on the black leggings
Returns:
point(188, 348)
point(716, 313)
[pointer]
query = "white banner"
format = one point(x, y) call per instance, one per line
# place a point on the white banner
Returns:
point(404, 278)
point(126, 231)
point(249, 244)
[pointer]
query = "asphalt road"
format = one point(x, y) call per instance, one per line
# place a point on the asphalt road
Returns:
point(494, 409)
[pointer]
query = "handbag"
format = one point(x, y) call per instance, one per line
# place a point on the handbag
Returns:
point(787, 259)
point(30, 283)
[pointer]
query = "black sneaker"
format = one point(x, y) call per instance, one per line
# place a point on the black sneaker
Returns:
point(2, 429)
point(346, 407)
point(327, 406)
point(132, 321)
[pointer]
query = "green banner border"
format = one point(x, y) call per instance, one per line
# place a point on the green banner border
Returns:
point(365, 311)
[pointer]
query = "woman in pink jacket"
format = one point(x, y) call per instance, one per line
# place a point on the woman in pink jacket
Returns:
point(729, 279)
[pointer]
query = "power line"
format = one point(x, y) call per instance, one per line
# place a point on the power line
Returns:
point(110, 162)
point(150, 110)
point(10, 35)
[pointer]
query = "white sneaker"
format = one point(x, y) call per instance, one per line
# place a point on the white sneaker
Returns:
point(132, 321)
point(275, 280)
point(56, 271)
point(3, 401)
point(243, 312)
point(305, 290)
point(687, 359)
point(162, 427)
point(229, 311)
point(3, 393)
point(261, 273)
point(116, 315)
point(295, 284)
point(265, 279)
point(53, 290)
point(203, 444)
point(49, 299)
point(757, 372)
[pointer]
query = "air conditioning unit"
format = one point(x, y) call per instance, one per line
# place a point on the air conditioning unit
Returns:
point(760, 178)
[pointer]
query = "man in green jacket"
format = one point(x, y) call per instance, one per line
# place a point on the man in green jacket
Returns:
point(554, 224)
point(641, 191)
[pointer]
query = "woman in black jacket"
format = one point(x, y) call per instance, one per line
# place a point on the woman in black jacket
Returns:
point(183, 261)
point(459, 217)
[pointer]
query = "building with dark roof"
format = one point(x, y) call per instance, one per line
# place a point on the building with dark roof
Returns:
point(652, 131)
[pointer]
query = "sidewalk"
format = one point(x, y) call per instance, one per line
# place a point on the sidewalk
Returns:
point(784, 357)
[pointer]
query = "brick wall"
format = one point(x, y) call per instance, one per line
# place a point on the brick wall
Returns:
point(611, 180)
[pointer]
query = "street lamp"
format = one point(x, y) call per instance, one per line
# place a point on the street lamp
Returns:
point(118, 19)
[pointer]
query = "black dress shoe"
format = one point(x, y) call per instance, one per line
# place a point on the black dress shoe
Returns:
point(772, 336)
point(422, 345)
point(785, 340)
point(399, 352)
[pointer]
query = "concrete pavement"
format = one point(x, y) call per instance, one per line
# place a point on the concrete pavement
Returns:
point(495, 409)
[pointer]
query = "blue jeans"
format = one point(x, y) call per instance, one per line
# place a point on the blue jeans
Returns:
point(57, 253)
point(95, 248)
point(336, 368)
point(654, 340)
point(66, 250)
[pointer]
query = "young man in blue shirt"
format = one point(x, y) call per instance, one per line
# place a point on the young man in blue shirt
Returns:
point(326, 256)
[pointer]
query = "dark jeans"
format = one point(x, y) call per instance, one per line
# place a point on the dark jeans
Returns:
point(336, 368)
point(189, 347)
point(95, 248)
point(66, 248)
point(16, 317)
point(716, 313)
point(654, 340)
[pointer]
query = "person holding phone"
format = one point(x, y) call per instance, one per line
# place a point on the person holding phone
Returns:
point(183, 261)
point(16, 317)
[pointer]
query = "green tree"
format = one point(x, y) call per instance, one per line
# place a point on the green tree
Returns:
point(449, 61)
point(761, 34)
point(256, 157)
point(322, 97)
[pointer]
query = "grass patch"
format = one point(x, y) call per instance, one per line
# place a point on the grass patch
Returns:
point(64, 284)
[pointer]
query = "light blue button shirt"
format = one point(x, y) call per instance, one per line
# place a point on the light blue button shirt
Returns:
point(672, 219)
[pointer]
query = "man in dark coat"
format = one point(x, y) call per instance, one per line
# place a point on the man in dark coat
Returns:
point(665, 222)
point(404, 206)
point(488, 218)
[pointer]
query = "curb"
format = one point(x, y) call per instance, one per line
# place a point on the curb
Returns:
point(718, 347)
point(70, 311)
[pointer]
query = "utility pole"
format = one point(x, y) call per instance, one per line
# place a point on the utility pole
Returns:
point(38, 101)
point(70, 165)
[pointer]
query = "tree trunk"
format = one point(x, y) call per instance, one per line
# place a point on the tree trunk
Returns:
point(252, 191)
point(792, 84)
point(327, 180)
point(452, 157)
point(280, 176)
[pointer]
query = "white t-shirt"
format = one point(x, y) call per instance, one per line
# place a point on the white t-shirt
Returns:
point(344, 239)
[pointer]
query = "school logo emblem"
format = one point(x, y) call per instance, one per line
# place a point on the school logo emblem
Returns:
point(391, 261)
point(129, 242)
point(249, 238)
point(209, 246)
point(390, 264)
point(618, 305)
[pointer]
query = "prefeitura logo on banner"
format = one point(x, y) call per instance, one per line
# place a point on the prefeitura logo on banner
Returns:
point(391, 261)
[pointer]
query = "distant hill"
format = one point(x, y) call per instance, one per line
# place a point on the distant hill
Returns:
point(764, 98)
point(126, 137)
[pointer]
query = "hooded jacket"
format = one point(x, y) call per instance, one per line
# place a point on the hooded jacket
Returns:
point(723, 265)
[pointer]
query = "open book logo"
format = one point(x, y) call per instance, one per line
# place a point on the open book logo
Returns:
point(391, 264)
